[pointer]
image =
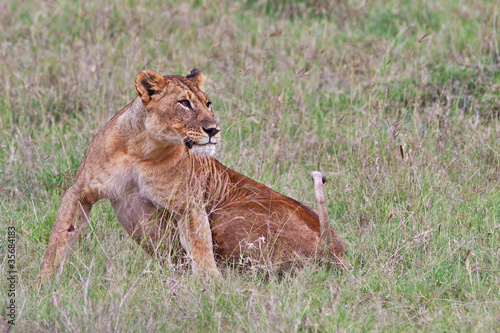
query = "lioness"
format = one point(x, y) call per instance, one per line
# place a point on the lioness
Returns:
point(153, 160)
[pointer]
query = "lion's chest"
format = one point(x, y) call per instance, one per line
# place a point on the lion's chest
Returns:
point(122, 181)
point(167, 188)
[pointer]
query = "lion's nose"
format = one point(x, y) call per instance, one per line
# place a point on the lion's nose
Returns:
point(211, 131)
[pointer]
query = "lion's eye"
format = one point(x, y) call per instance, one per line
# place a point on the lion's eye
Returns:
point(209, 103)
point(186, 103)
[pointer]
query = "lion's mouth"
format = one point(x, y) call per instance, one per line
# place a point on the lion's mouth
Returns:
point(190, 144)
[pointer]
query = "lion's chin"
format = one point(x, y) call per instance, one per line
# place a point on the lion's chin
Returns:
point(206, 150)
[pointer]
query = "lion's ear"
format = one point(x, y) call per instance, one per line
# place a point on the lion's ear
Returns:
point(148, 83)
point(196, 76)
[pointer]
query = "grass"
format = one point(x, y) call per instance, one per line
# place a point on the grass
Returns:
point(396, 101)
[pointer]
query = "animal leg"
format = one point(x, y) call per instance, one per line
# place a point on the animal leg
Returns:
point(196, 238)
point(69, 225)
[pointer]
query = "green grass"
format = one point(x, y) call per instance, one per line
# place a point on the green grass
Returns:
point(297, 86)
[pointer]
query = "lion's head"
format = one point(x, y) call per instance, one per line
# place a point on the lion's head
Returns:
point(178, 111)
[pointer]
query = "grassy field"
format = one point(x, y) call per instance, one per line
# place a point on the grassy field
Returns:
point(396, 101)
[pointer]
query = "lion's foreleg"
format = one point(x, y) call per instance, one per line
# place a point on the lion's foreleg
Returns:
point(70, 223)
point(196, 238)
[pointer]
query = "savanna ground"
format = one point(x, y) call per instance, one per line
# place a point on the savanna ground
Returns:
point(396, 101)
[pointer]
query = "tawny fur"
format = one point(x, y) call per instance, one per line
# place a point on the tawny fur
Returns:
point(251, 224)
point(153, 161)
